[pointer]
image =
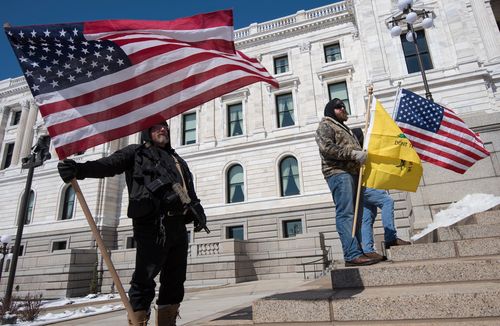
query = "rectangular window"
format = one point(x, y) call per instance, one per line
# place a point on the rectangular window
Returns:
point(235, 232)
point(16, 117)
point(7, 158)
point(235, 119)
point(188, 234)
point(58, 245)
point(291, 228)
point(281, 64)
point(131, 243)
point(339, 90)
point(284, 105)
point(332, 53)
point(189, 128)
point(411, 53)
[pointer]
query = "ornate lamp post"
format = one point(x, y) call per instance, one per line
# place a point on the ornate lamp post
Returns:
point(410, 17)
point(39, 154)
point(4, 250)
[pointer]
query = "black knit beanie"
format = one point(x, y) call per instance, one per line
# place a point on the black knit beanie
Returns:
point(331, 106)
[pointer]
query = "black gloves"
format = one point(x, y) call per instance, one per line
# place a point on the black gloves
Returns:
point(67, 170)
point(200, 221)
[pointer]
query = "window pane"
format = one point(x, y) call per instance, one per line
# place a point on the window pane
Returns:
point(289, 173)
point(16, 117)
point(332, 53)
point(281, 64)
point(235, 232)
point(58, 245)
point(284, 104)
point(292, 228)
point(235, 184)
point(410, 53)
point(9, 150)
point(339, 90)
point(131, 243)
point(235, 113)
point(29, 210)
point(189, 128)
point(69, 204)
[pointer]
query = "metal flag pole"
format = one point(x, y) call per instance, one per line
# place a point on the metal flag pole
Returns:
point(104, 251)
point(361, 169)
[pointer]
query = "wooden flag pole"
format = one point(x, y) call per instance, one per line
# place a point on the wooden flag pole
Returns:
point(104, 251)
point(361, 169)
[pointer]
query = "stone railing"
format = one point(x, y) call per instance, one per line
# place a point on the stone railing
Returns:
point(326, 10)
point(300, 16)
point(203, 249)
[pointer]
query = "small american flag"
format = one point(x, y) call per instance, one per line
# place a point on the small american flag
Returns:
point(99, 81)
point(437, 133)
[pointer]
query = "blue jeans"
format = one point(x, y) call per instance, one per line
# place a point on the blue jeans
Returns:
point(373, 199)
point(343, 187)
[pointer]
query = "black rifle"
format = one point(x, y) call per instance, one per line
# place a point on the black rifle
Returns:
point(178, 193)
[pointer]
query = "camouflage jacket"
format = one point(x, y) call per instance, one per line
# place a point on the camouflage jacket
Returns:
point(336, 142)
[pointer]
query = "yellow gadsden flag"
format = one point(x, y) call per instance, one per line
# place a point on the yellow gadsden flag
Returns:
point(392, 162)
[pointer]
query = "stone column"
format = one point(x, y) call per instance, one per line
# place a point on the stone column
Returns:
point(27, 142)
point(4, 117)
point(487, 28)
point(20, 133)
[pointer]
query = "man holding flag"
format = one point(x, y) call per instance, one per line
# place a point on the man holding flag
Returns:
point(158, 214)
point(341, 158)
point(99, 81)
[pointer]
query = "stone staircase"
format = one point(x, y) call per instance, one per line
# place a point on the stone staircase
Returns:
point(454, 280)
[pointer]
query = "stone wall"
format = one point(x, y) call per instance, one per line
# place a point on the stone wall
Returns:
point(63, 273)
point(234, 261)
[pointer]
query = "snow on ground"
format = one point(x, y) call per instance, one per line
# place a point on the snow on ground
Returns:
point(470, 204)
point(76, 312)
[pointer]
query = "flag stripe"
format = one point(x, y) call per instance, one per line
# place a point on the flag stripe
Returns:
point(443, 162)
point(143, 99)
point(155, 107)
point(136, 126)
point(441, 143)
point(181, 61)
point(202, 21)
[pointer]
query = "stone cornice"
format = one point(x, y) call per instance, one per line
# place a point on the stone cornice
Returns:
point(300, 23)
point(17, 86)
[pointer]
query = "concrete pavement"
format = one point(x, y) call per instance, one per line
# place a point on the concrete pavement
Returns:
point(202, 305)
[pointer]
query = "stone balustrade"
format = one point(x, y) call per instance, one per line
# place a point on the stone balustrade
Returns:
point(282, 22)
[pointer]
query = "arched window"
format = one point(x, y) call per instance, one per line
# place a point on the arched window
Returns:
point(68, 204)
point(29, 208)
point(289, 176)
point(235, 184)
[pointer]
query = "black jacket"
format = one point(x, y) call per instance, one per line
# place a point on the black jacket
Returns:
point(140, 165)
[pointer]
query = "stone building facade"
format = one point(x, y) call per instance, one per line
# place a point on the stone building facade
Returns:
point(252, 152)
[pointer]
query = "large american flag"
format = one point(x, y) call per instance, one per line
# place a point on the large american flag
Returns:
point(102, 80)
point(438, 135)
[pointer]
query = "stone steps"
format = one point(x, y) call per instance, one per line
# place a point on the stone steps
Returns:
point(420, 272)
point(454, 280)
point(440, 301)
point(446, 249)
point(463, 232)
point(491, 216)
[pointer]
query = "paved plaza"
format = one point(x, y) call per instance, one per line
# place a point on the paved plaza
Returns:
point(203, 305)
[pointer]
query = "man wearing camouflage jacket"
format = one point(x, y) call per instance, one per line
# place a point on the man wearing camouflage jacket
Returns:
point(341, 159)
